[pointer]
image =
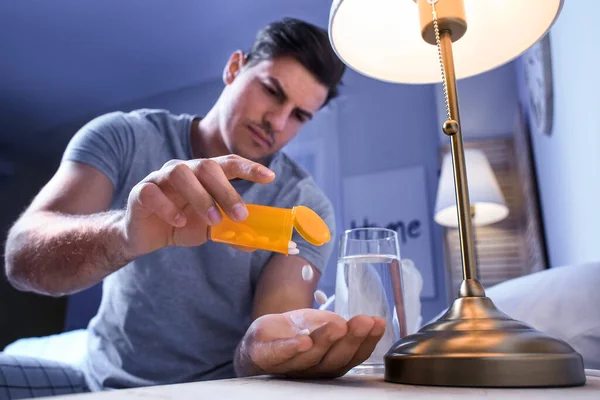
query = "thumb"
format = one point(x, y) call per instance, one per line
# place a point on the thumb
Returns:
point(268, 355)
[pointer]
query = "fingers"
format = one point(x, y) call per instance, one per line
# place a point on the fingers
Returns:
point(214, 180)
point(349, 351)
point(238, 167)
point(323, 338)
point(149, 196)
point(201, 183)
point(267, 354)
point(334, 346)
point(367, 346)
point(183, 180)
point(214, 175)
point(344, 351)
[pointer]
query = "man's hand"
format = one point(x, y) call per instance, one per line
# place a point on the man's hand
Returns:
point(279, 344)
point(176, 204)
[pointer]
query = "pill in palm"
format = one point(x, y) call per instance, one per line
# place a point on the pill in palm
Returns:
point(307, 273)
point(304, 332)
point(320, 297)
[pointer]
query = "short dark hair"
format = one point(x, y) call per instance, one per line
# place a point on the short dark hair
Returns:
point(307, 44)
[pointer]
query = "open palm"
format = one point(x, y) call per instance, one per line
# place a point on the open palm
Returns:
point(311, 343)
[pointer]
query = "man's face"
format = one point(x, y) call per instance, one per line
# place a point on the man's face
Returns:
point(264, 105)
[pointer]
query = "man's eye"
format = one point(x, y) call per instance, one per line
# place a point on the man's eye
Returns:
point(300, 117)
point(270, 90)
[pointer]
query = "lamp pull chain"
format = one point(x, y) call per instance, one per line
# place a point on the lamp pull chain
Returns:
point(440, 57)
point(451, 127)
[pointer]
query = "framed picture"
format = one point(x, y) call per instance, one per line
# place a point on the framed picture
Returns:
point(537, 64)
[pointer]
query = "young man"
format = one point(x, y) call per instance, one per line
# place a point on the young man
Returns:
point(131, 204)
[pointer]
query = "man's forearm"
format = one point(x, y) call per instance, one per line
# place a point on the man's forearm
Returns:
point(58, 254)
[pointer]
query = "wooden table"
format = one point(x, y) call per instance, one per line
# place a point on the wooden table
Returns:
point(345, 388)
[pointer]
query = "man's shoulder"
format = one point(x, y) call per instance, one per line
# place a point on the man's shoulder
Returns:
point(142, 125)
point(290, 169)
point(159, 118)
point(124, 144)
point(294, 177)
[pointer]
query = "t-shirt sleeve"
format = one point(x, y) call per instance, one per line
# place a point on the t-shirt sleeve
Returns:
point(311, 196)
point(104, 143)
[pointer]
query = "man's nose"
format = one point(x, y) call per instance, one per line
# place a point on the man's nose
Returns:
point(277, 119)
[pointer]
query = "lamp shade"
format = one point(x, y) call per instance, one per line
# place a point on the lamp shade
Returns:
point(382, 38)
point(484, 192)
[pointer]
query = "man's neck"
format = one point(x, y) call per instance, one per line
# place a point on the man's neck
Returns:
point(206, 138)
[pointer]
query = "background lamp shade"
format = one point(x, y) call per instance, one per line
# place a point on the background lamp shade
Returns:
point(382, 38)
point(484, 192)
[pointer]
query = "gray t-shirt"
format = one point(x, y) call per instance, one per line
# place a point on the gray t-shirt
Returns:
point(177, 314)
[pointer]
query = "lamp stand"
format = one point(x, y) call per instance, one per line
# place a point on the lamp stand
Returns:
point(473, 344)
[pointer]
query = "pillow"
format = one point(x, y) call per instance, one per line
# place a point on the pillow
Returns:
point(562, 301)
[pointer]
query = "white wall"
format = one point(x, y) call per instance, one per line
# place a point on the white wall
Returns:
point(568, 160)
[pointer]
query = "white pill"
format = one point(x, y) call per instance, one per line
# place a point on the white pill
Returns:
point(293, 251)
point(307, 273)
point(304, 332)
point(320, 297)
point(292, 244)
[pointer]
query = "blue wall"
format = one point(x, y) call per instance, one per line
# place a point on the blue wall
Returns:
point(488, 104)
point(568, 160)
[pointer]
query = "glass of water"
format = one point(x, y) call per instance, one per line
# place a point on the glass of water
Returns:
point(369, 282)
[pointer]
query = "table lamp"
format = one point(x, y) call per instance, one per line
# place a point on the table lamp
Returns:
point(487, 203)
point(411, 41)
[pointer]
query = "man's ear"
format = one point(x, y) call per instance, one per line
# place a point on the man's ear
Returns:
point(233, 67)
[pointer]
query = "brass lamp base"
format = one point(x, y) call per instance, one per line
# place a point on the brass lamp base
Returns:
point(476, 345)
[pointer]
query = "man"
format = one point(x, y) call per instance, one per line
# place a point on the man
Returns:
point(132, 203)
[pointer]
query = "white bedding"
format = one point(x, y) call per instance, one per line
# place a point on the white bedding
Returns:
point(68, 347)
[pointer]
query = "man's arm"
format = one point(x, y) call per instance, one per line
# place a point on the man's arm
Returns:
point(280, 288)
point(64, 242)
